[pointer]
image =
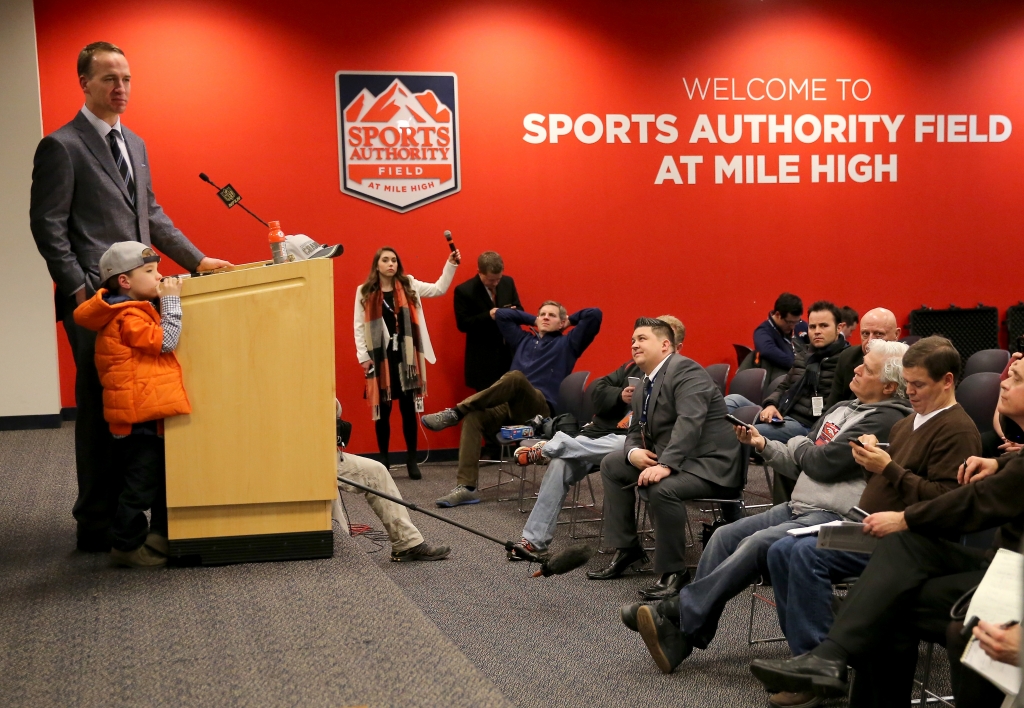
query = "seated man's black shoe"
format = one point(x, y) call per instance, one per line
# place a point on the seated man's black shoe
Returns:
point(825, 677)
point(623, 558)
point(669, 609)
point(668, 586)
point(666, 642)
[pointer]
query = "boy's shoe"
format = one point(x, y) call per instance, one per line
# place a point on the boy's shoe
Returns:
point(460, 495)
point(530, 454)
point(158, 543)
point(141, 557)
point(422, 552)
point(441, 420)
point(529, 548)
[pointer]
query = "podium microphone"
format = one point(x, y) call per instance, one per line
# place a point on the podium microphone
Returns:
point(230, 197)
point(451, 245)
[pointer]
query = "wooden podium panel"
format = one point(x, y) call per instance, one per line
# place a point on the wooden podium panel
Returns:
point(257, 455)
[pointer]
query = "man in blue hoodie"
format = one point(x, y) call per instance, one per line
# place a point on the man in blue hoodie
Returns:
point(543, 357)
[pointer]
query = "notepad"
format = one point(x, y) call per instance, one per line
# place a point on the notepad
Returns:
point(998, 599)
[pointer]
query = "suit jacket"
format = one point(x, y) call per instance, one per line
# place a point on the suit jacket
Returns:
point(80, 206)
point(488, 356)
point(686, 425)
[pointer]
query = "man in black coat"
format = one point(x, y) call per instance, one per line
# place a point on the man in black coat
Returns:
point(476, 301)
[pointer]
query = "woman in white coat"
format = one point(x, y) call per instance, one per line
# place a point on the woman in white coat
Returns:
point(393, 345)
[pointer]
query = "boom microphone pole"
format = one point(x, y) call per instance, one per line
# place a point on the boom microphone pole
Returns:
point(556, 564)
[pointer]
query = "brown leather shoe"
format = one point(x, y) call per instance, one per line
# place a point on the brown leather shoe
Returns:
point(788, 699)
point(141, 557)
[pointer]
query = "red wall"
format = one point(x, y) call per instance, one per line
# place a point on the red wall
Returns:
point(244, 91)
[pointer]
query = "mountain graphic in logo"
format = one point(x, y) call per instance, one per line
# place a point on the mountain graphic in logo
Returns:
point(398, 142)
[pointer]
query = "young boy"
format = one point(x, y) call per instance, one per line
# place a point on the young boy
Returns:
point(142, 385)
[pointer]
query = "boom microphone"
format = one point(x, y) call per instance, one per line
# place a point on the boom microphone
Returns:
point(556, 563)
point(451, 245)
point(564, 561)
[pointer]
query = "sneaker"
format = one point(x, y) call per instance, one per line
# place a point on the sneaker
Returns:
point(460, 495)
point(141, 557)
point(530, 454)
point(422, 552)
point(158, 543)
point(441, 420)
point(529, 548)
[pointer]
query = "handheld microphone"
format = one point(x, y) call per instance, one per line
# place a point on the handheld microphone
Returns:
point(230, 197)
point(451, 245)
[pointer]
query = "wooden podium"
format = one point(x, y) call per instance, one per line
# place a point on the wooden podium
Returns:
point(251, 473)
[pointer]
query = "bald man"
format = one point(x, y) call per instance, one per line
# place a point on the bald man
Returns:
point(878, 323)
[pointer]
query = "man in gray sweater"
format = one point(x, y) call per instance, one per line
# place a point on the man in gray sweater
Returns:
point(829, 482)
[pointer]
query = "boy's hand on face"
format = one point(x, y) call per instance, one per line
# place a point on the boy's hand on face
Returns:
point(169, 286)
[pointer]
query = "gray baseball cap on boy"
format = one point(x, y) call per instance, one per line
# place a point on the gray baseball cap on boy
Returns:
point(125, 256)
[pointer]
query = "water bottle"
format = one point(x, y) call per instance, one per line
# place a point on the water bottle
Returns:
point(277, 244)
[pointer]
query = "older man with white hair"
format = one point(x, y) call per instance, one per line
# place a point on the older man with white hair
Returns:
point(878, 323)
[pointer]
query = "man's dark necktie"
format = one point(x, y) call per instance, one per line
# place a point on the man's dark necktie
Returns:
point(648, 385)
point(122, 164)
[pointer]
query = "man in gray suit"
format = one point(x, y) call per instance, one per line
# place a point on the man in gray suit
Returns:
point(679, 446)
point(91, 188)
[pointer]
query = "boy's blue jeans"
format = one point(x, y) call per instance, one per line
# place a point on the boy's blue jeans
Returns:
point(140, 458)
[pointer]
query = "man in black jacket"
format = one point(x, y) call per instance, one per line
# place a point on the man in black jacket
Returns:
point(793, 408)
point(570, 459)
point(914, 577)
point(488, 356)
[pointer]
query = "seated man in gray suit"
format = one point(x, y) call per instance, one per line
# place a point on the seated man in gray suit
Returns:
point(91, 188)
point(679, 446)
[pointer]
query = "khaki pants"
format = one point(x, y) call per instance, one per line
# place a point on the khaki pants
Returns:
point(395, 517)
point(511, 400)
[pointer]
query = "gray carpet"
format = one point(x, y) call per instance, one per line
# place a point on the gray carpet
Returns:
point(474, 630)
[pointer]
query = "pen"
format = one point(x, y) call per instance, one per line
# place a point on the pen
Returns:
point(1011, 623)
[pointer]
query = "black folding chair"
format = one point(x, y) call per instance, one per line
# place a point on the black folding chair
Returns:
point(719, 374)
point(749, 384)
point(993, 360)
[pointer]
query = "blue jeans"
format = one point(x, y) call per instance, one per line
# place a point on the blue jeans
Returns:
point(789, 428)
point(572, 459)
point(802, 577)
point(733, 559)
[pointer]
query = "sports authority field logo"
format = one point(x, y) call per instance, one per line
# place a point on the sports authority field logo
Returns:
point(398, 141)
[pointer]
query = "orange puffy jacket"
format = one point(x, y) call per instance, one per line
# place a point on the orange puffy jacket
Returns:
point(140, 382)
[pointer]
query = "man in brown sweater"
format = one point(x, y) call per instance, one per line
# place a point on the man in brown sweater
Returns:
point(924, 453)
point(915, 575)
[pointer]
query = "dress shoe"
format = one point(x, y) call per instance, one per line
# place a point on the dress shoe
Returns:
point(668, 586)
point(788, 699)
point(802, 674)
point(159, 543)
point(667, 644)
point(623, 558)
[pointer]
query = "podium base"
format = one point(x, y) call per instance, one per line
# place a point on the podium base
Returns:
point(223, 550)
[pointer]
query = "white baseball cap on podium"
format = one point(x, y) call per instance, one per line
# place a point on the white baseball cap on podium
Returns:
point(301, 247)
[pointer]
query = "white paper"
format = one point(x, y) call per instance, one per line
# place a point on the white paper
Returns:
point(811, 530)
point(998, 600)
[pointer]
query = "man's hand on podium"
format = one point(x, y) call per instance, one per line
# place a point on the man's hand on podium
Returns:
point(211, 264)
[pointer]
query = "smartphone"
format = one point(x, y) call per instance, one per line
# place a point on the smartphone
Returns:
point(777, 421)
point(857, 514)
point(736, 421)
point(856, 442)
point(633, 381)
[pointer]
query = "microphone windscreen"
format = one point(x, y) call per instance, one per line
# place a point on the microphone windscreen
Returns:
point(202, 176)
point(448, 235)
point(564, 561)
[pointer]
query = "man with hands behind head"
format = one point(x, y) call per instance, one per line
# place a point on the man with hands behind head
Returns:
point(678, 447)
point(91, 188)
point(543, 358)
